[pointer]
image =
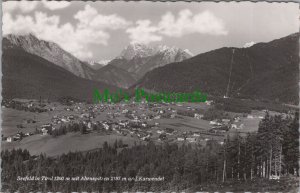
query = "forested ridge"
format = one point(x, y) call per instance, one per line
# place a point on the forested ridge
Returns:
point(264, 71)
point(272, 152)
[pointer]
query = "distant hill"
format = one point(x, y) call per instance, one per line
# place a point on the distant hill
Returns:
point(136, 60)
point(49, 51)
point(29, 76)
point(114, 76)
point(263, 71)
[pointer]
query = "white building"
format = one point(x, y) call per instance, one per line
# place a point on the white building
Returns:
point(233, 126)
point(44, 131)
point(250, 117)
point(105, 126)
point(191, 139)
point(198, 116)
point(9, 139)
point(180, 139)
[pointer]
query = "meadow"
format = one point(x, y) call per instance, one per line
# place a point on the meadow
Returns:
point(37, 144)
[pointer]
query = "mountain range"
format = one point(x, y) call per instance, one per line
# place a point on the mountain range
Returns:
point(263, 71)
point(33, 67)
point(123, 71)
point(136, 60)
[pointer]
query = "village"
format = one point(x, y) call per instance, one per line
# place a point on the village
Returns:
point(157, 122)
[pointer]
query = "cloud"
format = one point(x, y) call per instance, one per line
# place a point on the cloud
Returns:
point(249, 44)
point(169, 26)
point(47, 28)
point(92, 28)
point(189, 23)
point(23, 6)
point(54, 5)
point(89, 17)
point(18, 25)
point(28, 6)
point(143, 32)
point(75, 38)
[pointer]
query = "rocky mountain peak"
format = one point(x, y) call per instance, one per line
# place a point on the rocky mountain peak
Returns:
point(22, 40)
point(136, 50)
point(138, 59)
point(15, 37)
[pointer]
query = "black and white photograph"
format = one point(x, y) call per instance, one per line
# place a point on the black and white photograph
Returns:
point(144, 96)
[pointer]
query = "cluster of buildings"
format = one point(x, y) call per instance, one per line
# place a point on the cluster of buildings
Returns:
point(140, 120)
point(200, 137)
point(31, 106)
point(17, 137)
point(223, 125)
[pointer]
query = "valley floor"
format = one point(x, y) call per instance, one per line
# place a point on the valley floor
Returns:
point(131, 123)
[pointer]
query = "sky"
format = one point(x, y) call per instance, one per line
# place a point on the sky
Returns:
point(99, 31)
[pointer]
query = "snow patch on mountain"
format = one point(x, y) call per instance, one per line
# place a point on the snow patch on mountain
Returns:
point(103, 62)
point(187, 51)
point(97, 65)
point(248, 44)
point(138, 50)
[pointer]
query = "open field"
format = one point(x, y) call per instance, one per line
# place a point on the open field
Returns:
point(184, 123)
point(51, 146)
point(11, 118)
